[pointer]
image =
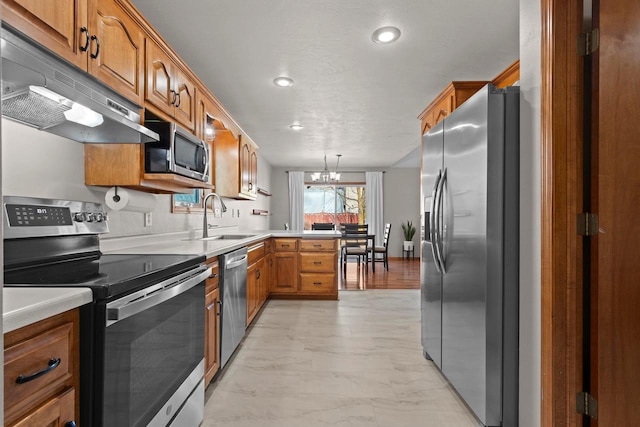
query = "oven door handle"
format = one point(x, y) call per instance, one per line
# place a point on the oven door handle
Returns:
point(136, 303)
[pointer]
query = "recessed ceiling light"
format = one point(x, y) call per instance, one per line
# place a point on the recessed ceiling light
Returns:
point(385, 35)
point(283, 81)
point(296, 126)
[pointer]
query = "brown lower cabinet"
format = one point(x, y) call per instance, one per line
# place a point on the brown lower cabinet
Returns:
point(51, 345)
point(212, 322)
point(305, 268)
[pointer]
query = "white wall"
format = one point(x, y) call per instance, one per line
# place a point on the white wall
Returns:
point(530, 260)
point(39, 164)
point(402, 203)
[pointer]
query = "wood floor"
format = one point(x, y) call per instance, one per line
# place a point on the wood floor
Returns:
point(402, 274)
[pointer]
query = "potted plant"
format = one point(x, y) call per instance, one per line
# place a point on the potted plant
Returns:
point(409, 231)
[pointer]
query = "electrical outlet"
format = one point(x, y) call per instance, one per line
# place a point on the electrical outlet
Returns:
point(217, 213)
point(147, 219)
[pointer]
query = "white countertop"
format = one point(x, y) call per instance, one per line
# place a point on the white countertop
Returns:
point(183, 243)
point(24, 306)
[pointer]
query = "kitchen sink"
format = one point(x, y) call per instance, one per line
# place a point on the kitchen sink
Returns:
point(227, 237)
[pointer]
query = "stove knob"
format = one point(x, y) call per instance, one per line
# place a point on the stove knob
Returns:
point(105, 217)
point(79, 217)
point(90, 216)
point(98, 216)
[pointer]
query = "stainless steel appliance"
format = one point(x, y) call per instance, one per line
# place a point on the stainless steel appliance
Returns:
point(43, 91)
point(142, 339)
point(469, 252)
point(233, 297)
point(178, 151)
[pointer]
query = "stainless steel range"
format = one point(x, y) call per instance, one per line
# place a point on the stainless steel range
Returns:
point(142, 339)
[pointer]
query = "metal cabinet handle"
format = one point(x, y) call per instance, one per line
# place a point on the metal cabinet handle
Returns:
point(250, 186)
point(95, 55)
point(432, 221)
point(86, 39)
point(213, 276)
point(175, 96)
point(317, 283)
point(70, 424)
point(258, 274)
point(179, 100)
point(317, 262)
point(53, 364)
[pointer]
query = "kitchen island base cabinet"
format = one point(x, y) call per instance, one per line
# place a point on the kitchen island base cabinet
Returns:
point(50, 346)
point(305, 268)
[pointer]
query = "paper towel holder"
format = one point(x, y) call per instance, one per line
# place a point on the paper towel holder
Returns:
point(116, 198)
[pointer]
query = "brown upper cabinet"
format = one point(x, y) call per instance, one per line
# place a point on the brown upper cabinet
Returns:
point(236, 165)
point(99, 36)
point(449, 99)
point(168, 89)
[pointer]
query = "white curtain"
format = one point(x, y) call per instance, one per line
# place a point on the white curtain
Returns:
point(296, 200)
point(375, 206)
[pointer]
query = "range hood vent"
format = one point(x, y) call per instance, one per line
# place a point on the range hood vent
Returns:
point(43, 91)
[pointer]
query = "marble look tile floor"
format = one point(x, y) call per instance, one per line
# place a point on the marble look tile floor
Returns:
point(353, 362)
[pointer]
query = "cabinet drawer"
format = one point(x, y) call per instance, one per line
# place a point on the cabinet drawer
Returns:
point(317, 245)
point(255, 252)
point(37, 354)
point(321, 262)
point(320, 283)
point(285, 245)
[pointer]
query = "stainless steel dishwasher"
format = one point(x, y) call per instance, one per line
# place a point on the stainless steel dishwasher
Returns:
point(233, 287)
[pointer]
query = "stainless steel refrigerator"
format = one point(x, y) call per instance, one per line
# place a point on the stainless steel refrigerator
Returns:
point(469, 252)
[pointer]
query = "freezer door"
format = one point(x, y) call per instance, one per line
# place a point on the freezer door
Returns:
point(430, 277)
point(471, 316)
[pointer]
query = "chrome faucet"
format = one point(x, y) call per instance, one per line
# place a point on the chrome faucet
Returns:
point(205, 225)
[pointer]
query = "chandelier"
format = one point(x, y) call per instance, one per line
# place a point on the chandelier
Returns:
point(326, 176)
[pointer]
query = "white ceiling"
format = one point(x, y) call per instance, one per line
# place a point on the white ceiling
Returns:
point(352, 96)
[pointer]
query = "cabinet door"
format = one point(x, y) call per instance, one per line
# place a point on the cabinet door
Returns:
point(212, 335)
point(159, 78)
point(252, 291)
point(253, 172)
point(58, 411)
point(245, 168)
point(185, 111)
point(116, 49)
point(285, 274)
point(60, 25)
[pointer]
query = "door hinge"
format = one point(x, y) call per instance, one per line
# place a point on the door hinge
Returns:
point(587, 405)
point(588, 42)
point(587, 224)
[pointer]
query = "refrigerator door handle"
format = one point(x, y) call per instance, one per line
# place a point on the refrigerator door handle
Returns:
point(438, 242)
point(433, 219)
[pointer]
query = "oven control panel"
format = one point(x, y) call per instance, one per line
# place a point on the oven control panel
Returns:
point(25, 215)
point(31, 217)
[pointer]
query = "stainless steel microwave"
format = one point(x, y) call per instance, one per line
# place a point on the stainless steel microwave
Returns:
point(178, 151)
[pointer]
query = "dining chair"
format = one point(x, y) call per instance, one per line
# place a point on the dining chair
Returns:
point(382, 249)
point(323, 226)
point(355, 243)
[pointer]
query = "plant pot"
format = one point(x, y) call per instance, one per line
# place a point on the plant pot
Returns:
point(408, 245)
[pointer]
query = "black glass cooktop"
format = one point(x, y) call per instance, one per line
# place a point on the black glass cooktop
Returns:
point(106, 275)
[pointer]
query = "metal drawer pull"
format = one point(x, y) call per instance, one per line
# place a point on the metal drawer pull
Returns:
point(53, 364)
point(317, 283)
point(317, 262)
point(213, 276)
point(285, 246)
point(317, 245)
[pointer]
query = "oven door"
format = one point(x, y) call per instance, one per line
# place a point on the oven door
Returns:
point(153, 345)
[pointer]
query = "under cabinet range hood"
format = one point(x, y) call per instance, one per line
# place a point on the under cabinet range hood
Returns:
point(43, 91)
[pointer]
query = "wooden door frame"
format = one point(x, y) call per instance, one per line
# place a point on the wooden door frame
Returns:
point(561, 201)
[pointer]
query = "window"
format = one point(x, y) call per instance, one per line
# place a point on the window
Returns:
point(334, 203)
